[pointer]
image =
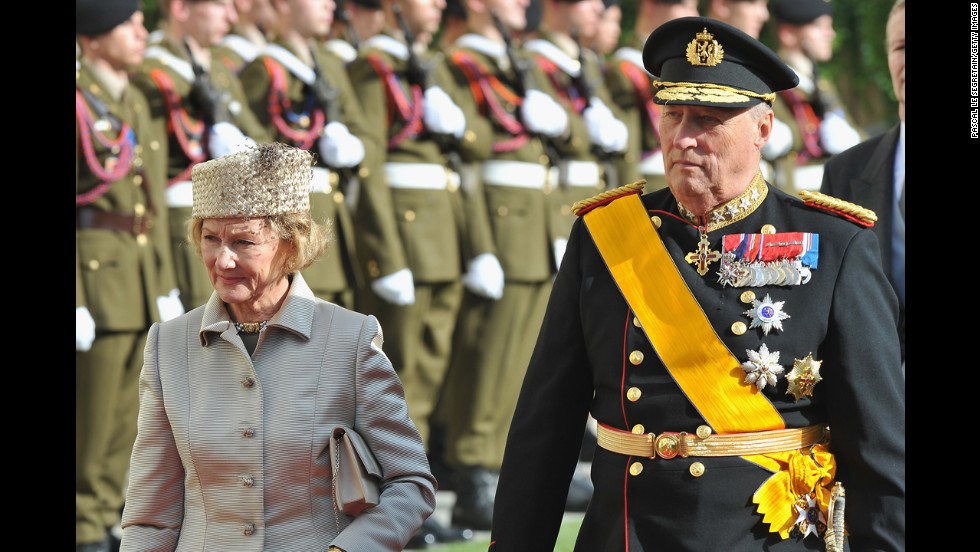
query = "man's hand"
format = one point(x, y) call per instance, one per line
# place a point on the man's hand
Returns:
point(225, 139)
point(442, 115)
point(605, 130)
point(340, 149)
point(84, 329)
point(169, 305)
point(485, 277)
point(543, 115)
point(397, 288)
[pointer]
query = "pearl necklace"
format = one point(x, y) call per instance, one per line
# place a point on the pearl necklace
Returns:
point(251, 327)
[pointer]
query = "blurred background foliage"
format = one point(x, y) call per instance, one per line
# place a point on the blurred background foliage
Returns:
point(859, 68)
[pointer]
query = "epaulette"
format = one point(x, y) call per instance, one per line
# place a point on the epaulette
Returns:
point(851, 211)
point(586, 205)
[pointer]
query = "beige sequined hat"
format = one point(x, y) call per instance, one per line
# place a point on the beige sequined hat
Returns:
point(270, 179)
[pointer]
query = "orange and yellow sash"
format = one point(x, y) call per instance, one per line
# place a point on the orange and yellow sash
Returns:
point(706, 371)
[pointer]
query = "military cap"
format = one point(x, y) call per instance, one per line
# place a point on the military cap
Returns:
point(799, 12)
point(701, 61)
point(456, 9)
point(95, 17)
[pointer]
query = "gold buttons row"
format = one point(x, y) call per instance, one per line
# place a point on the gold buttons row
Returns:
point(696, 469)
point(738, 327)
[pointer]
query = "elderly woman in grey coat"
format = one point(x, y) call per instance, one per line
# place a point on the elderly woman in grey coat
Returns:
point(239, 397)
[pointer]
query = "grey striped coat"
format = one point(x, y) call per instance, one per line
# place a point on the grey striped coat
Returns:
point(232, 450)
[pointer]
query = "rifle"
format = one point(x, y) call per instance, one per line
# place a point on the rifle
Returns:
point(325, 93)
point(588, 89)
point(207, 97)
point(525, 78)
point(420, 73)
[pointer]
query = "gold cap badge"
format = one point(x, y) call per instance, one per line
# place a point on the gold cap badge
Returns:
point(704, 50)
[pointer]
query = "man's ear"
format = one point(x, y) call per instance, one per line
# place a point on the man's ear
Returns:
point(765, 128)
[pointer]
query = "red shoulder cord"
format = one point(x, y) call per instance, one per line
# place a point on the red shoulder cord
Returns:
point(189, 132)
point(278, 101)
point(809, 125)
point(116, 166)
point(410, 110)
point(487, 90)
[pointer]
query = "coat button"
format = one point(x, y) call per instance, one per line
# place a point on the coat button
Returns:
point(636, 358)
point(248, 382)
point(633, 394)
point(768, 229)
point(93, 264)
point(502, 211)
point(696, 469)
point(739, 328)
point(636, 322)
point(248, 481)
point(409, 215)
point(638, 429)
point(636, 468)
point(704, 431)
point(656, 221)
point(249, 529)
point(248, 432)
point(747, 296)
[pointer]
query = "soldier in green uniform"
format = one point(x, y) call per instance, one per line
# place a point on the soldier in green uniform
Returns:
point(303, 97)
point(595, 131)
point(813, 110)
point(629, 87)
point(201, 107)
point(495, 334)
point(123, 271)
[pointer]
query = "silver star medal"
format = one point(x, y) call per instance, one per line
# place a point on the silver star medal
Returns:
point(766, 314)
point(762, 368)
point(809, 520)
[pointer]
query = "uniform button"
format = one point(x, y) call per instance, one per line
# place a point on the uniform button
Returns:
point(154, 145)
point(248, 432)
point(638, 429)
point(304, 121)
point(469, 136)
point(364, 172)
point(137, 162)
point(636, 322)
point(248, 382)
point(93, 88)
point(696, 469)
point(543, 159)
point(137, 181)
point(93, 264)
point(373, 269)
point(739, 328)
point(704, 431)
point(249, 529)
point(636, 358)
point(502, 211)
point(768, 229)
point(139, 209)
point(235, 107)
point(141, 239)
point(409, 215)
point(747, 296)
point(633, 394)
point(334, 179)
point(338, 197)
point(636, 468)
point(656, 221)
point(248, 481)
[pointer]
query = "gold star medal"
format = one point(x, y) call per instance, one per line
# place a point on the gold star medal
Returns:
point(804, 376)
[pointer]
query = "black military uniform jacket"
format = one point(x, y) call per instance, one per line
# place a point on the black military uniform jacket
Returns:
point(585, 361)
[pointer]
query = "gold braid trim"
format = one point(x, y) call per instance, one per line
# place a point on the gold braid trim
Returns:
point(853, 211)
point(707, 92)
point(604, 197)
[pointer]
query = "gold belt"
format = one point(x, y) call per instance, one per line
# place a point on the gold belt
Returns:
point(668, 445)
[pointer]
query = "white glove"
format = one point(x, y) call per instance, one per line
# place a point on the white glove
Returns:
point(170, 305)
point(543, 115)
point(397, 288)
point(442, 115)
point(225, 139)
point(84, 329)
point(560, 245)
point(339, 148)
point(485, 277)
point(836, 135)
point(780, 141)
point(605, 130)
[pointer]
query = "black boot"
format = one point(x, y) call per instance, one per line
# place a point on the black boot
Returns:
point(475, 488)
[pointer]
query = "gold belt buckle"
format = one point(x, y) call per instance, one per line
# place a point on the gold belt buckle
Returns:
point(669, 445)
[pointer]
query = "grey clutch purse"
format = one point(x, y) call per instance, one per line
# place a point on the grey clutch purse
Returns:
point(356, 474)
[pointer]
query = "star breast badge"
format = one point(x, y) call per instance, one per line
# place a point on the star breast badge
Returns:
point(804, 376)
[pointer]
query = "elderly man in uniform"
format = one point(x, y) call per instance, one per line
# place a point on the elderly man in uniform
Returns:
point(720, 331)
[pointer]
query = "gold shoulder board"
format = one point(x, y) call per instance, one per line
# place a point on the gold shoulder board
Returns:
point(586, 205)
point(851, 211)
